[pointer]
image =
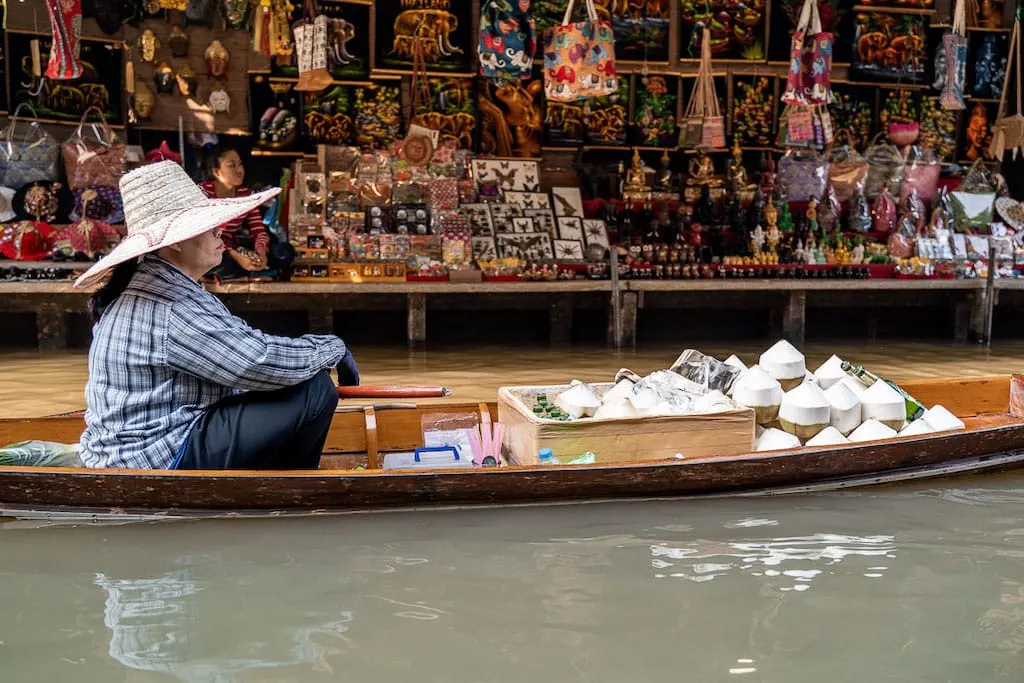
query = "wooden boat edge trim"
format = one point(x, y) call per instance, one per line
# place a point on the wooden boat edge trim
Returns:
point(766, 456)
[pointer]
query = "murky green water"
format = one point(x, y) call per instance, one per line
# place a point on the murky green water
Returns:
point(908, 584)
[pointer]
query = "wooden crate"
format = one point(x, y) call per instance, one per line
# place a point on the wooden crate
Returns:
point(618, 440)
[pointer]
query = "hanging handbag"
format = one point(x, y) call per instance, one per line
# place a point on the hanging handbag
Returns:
point(27, 152)
point(712, 133)
point(579, 58)
point(954, 45)
point(310, 34)
point(96, 161)
point(692, 125)
point(508, 40)
point(1008, 131)
point(810, 63)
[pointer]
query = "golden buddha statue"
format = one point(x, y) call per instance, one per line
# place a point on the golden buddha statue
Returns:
point(702, 171)
point(635, 186)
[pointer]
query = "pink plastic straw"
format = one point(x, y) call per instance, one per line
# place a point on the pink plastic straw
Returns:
point(499, 438)
point(474, 443)
point(485, 434)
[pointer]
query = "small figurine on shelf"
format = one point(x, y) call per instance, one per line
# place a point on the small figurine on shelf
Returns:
point(702, 171)
point(768, 177)
point(785, 217)
point(664, 183)
point(773, 235)
point(757, 240)
point(635, 187)
point(703, 211)
point(737, 175)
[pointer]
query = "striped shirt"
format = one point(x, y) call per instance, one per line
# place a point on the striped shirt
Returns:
point(164, 352)
point(252, 221)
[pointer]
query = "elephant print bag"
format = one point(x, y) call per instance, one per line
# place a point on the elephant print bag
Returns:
point(810, 67)
point(508, 40)
point(579, 58)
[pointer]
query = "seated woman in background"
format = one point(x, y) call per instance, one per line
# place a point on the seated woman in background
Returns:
point(250, 250)
point(175, 380)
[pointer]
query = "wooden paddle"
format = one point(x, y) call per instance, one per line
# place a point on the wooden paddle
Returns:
point(393, 392)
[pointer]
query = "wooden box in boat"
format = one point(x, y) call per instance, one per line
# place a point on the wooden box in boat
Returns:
point(992, 409)
point(618, 440)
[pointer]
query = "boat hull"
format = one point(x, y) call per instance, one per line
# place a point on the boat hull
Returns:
point(992, 440)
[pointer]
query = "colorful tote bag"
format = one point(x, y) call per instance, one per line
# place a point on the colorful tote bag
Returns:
point(508, 40)
point(579, 58)
point(954, 45)
point(810, 64)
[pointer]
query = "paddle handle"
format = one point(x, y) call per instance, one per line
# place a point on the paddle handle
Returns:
point(393, 392)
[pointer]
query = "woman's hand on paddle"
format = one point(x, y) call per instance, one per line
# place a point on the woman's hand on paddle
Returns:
point(348, 371)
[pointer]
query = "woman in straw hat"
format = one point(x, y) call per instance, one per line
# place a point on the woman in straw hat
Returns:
point(175, 380)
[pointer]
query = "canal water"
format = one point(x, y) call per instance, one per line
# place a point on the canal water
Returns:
point(914, 583)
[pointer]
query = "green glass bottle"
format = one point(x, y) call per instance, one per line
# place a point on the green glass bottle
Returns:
point(915, 408)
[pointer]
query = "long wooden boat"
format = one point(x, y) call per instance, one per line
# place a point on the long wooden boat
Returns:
point(992, 409)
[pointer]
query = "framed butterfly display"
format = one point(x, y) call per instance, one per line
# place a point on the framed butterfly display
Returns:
point(509, 174)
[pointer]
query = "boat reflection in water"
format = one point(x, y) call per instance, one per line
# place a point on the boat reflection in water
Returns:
point(170, 625)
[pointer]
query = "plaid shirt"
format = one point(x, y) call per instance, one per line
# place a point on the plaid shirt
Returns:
point(164, 352)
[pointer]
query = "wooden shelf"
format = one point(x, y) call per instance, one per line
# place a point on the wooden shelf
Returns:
point(894, 10)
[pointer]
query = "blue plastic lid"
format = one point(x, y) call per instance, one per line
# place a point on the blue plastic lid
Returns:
point(546, 453)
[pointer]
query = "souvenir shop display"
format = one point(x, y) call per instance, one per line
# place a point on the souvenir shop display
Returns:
point(413, 148)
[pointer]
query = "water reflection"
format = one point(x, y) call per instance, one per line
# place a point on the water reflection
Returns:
point(892, 585)
point(800, 558)
point(171, 624)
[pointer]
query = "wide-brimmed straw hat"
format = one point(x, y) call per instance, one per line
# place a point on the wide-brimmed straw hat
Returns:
point(162, 206)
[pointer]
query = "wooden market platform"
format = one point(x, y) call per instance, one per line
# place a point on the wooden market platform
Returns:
point(969, 302)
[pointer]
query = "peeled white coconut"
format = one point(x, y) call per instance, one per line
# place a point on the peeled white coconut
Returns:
point(804, 411)
point(644, 400)
point(917, 428)
point(940, 419)
point(578, 400)
point(872, 430)
point(713, 402)
point(829, 436)
point(784, 363)
point(762, 393)
point(661, 408)
point(809, 378)
point(620, 392)
point(616, 409)
point(855, 385)
point(882, 402)
point(845, 408)
point(734, 361)
point(776, 440)
point(830, 372)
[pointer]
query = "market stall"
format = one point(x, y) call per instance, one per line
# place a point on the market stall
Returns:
point(813, 148)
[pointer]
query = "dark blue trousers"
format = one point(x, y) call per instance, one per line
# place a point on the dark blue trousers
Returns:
point(264, 430)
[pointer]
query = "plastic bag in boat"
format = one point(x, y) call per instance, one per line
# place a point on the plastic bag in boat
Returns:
point(40, 454)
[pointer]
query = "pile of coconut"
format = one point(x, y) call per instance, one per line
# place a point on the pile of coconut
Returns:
point(659, 394)
point(827, 407)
